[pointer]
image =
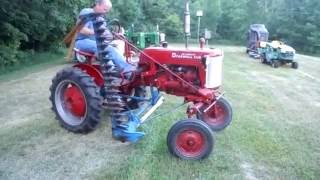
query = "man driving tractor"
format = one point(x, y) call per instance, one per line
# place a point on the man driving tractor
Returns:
point(85, 39)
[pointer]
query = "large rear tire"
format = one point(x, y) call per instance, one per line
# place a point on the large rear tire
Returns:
point(263, 59)
point(190, 140)
point(76, 100)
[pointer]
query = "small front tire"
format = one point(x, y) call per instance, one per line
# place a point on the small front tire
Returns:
point(295, 65)
point(190, 140)
point(219, 116)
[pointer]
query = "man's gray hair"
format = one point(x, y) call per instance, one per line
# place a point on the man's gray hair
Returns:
point(101, 1)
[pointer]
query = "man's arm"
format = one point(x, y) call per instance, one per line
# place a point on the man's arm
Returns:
point(86, 31)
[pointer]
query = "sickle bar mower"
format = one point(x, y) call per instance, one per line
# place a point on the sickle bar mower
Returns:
point(79, 94)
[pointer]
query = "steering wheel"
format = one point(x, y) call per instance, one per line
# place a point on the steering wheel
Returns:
point(114, 26)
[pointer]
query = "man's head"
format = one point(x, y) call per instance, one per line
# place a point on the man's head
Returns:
point(85, 12)
point(102, 6)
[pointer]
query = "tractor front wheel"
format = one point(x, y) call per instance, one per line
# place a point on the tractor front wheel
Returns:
point(219, 116)
point(295, 65)
point(275, 64)
point(76, 100)
point(190, 140)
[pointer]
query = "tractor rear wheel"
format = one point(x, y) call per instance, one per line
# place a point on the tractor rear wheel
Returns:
point(76, 100)
point(263, 59)
point(219, 116)
point(295, 65)
point(190, 140)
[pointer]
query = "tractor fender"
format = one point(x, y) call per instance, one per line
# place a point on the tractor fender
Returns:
point(93, 71)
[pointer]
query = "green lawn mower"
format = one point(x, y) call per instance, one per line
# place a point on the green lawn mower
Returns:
point(276, 53)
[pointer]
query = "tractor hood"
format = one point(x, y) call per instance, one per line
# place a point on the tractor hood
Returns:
point(182, 54)
point(286, 49)
point(283, 47)
point(208, 62)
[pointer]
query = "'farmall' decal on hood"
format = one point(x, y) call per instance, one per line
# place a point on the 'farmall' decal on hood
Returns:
point(177, 55)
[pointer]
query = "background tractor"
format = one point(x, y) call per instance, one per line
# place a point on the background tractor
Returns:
point(81, 92)
point(256, 34)
point(143, 39)
point(277, 53)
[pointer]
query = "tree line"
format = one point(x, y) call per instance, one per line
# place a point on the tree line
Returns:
point(28, 26)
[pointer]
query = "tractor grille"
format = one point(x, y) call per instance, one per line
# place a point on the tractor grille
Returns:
point(287, 55)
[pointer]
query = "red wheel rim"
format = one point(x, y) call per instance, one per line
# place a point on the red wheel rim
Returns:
point(190, 143)
point(74, 100)
point(216, 115)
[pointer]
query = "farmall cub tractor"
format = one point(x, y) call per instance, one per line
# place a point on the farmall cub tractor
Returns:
point(81, 92)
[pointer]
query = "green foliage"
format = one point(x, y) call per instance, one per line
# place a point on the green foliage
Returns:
point(36, 25)
point(172, 26)
point(233, 21)
point(293, 21)
point(128, 12)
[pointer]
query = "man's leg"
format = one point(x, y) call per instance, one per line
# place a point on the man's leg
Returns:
point(119, 60)
point(86, 45)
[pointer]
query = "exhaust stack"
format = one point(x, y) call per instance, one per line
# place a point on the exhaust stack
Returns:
point(187, 22)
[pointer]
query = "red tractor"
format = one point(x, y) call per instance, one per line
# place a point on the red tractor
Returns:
point(80, 93)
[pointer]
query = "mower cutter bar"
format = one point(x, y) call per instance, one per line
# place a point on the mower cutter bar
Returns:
point(150, 111)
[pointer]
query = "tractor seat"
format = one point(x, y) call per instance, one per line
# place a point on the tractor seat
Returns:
point(89, 57)
point(83, 57)
point(87, 54)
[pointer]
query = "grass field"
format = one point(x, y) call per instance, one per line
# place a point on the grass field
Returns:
point(274, 134)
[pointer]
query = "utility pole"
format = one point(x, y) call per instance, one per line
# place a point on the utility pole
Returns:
point(199, 15)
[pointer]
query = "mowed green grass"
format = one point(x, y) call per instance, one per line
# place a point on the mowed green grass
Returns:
point(274, 133)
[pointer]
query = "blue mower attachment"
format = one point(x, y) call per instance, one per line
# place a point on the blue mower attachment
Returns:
point(127, 131)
